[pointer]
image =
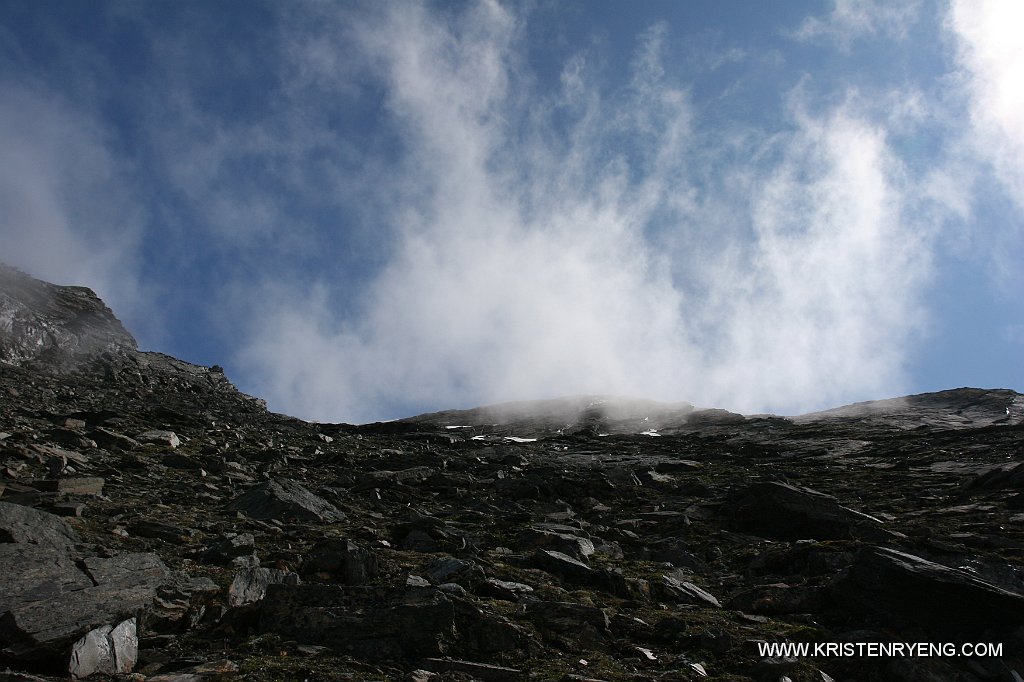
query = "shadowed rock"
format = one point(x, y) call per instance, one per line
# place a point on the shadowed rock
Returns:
point(787, 512)
point(944, 600)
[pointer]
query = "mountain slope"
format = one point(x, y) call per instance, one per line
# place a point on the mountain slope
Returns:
point(544, 540)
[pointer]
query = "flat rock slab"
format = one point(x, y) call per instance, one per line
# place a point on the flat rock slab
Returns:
point(158, 437)
point(568, 616)
point(127, 570)
point(31, 526)
point(32, 573)
point(340, 560)
point(685, 592)
point(44, 630)
point(286, 500)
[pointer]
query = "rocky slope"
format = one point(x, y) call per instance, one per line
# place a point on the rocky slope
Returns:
point(155, 521)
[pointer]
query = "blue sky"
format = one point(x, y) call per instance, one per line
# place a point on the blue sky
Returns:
point(370, 210)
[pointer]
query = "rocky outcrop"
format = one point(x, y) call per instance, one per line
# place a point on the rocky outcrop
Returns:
point(54, 327)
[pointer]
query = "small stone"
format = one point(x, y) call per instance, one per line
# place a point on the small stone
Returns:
point(416, 581)
point(69, 508)
point(167, 438)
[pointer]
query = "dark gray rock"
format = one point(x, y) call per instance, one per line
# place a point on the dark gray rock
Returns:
point(945, 601)
point(43, 630)
point(30, 526)
point(503, 589)
point(573, 545)
point(415, 623)
point(229, 548)
point(339, 561)
point(563, 565)
point(786, 512)
point(127, 570)
point(54, 327)
point(250, 584)
point(79, 485)
point(33, 573)
point(778, 598)
point(451, 570)
point(568, 617)
point(112, 440)
point(285, 499)
point(1005, 476)
point(477, 671)
point(168, 532)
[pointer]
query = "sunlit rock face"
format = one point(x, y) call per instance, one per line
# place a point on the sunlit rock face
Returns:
point(156, 520)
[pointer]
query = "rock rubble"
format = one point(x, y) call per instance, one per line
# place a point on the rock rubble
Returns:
point(154, 520)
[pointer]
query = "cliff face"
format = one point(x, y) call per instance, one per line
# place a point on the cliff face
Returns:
point(155, 520)
point(54, 327)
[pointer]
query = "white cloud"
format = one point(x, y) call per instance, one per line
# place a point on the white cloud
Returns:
point(65, 213)
point(852, 20)
point(534, 243)
point(991, 55)
point(539, 258)
point(830, 302)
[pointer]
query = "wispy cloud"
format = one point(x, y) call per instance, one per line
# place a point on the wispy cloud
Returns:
point(65, 212)
point(550, 244)
point(853, 20)
point(991, 56)
point(398, 213)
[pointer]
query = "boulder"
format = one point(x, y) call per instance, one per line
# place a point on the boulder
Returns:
point(946, 601)
point(577, 547)
point(786, 512)
point(32, 573)
point(47, 606)
point(230, 547)
point(250, 584)
point(340, 561)
point(110, 650)
point(159, 437)
point(285, 499)
point(503, 589)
